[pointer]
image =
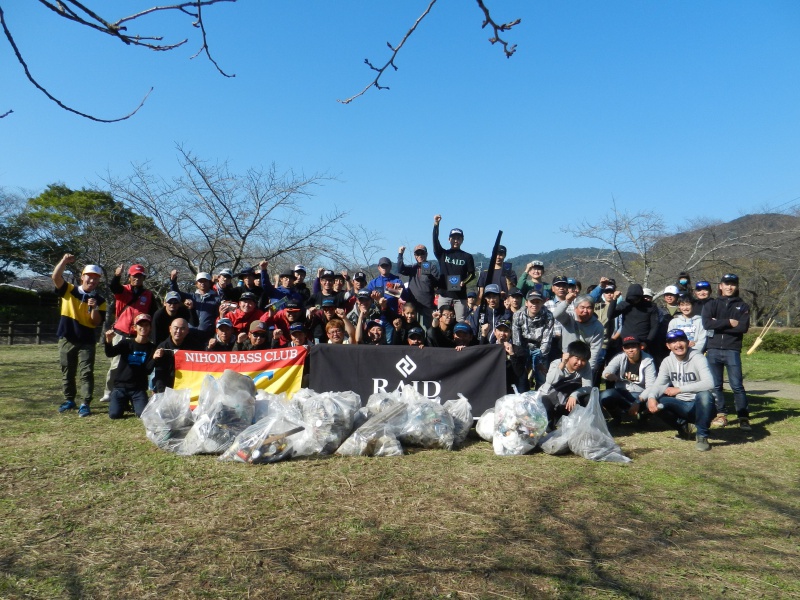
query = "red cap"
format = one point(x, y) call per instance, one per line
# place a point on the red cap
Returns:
point(137, 270)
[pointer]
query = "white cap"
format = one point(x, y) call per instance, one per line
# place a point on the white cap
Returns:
point(203, 276)
point(300, 268)
point(92, 270)
point(647, 292)
point(671, 289)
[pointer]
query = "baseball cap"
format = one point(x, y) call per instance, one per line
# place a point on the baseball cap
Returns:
point(730, 278)
point(203, 275)
point(609, 288)
point(571, 281)
point(326, 274)
point(647, 292)
point(674, 335)
point(291, 306)
point(472, 295)
point(364, 294)
point(373, 323)
point(248, 272)
point(172, 296)
point(296, 327)
point(137, 270)
point(492, 288)
point(534, 295)
point(249, 296)
point(503, 323)
point(416, 332)
point(456, 231)
point(224, 321)
point(630, 340)
point(419, 247)
point(534, 263)
point(671, 289)
point(329, 302)
point(384, 261)
point(287, 274)
point(515, 292)
point(702, 285)
point(360, 275)
point(559, 279)
point(258, 326)
point(462, 327)
point(142, 317)
point(92, 270)
point(300, 268)
point(502, 250)
point(226, 272)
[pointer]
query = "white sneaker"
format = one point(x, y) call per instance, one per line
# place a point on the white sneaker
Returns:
point(105, 399)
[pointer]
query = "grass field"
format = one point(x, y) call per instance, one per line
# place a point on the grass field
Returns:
point(91, 509)
point(772, 367)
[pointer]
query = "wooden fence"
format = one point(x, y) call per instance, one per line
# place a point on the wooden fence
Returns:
point(28, 333)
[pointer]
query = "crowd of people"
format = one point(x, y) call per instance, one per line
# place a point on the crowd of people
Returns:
point(667, 359)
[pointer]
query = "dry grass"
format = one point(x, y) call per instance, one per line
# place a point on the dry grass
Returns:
point(91, 509)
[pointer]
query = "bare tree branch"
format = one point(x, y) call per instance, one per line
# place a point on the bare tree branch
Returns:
point(390, 62)
point(509, 50)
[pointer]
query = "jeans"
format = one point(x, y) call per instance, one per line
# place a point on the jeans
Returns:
point(121, 399)
point(77, 359)
point(699, 411)
point(732, 359)
point(617, 401)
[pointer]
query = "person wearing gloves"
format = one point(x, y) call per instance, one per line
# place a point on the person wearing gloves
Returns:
point(631, 372)
point(682, 390)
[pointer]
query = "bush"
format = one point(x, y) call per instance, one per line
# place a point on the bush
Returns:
point(780, 342)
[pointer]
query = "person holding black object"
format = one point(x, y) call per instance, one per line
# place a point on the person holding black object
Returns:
point(457, 270)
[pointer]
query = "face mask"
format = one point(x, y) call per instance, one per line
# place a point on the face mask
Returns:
point(683, 281)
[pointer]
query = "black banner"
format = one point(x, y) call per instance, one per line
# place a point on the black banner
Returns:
point(478, 372)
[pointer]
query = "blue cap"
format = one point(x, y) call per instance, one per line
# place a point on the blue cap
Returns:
point(296, 327)
point(329, 302)
point(416, 332)
point(472, 295)
point(673, 335)
point(224, 321)
point(571, 281)
point(462, 327)
point(702, 285)
point(172, 296)
point(492, 288)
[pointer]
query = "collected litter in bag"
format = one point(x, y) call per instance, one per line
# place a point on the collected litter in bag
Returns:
point(225, 409)
point(269, 440)
point(263, 402)
point(461, 411)
point(590, 437)
point(167, 418)
point(327, 418)
point(485, 425)
point(520, 420)
point(429, 425)
point(388, 445)
point(388, 423)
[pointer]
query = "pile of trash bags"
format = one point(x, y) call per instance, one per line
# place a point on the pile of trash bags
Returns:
point(237, 422)
point(518, 423)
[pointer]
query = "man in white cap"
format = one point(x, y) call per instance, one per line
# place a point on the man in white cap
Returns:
point(671, 299)
point(82, 311)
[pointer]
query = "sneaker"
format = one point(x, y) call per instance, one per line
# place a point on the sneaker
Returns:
point(744, 425)
point(702, 444)
point(106, 399)
point(68, 405)
point(720, 421)
point(686, 431)
point(84, 411)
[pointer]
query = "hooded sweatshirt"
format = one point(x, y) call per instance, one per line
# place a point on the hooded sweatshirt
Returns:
point(640, 317)
point(691, 375)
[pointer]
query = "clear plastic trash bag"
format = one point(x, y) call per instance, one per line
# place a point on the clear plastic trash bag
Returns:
point(266, 441)
point(485, 425)
point(387, 423)
point(461, 411)
point(167, 418)
point(590, 437)
point(327, 418)
point(429, 425)
point(520, 420)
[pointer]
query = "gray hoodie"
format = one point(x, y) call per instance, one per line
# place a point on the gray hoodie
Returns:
point(691, 375)
point(647, 373)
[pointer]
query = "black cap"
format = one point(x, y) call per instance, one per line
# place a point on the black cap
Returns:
point(360, 275)
point(502, 250)
point(248, 272)
point(559, 279)
point(249, 296)
point(730, 278)
point(327, 273)
point(503, 323)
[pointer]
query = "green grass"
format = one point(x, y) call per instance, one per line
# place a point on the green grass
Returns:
point(772, 367)
point(91, 509)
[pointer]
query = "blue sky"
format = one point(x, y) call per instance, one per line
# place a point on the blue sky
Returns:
point(691, 109)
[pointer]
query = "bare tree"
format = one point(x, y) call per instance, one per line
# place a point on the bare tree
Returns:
point(212, 218)
point(83, 15)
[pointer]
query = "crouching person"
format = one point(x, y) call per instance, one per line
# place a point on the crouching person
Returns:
point(683, 390)
point(631, 373)
point(568, 382)
point(135, 364)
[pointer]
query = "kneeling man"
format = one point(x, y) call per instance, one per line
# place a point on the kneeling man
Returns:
point(683, 390)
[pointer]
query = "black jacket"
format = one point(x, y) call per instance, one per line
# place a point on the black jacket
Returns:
point(640, 318)
point(717, 314)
